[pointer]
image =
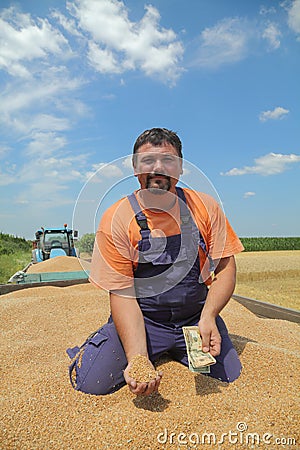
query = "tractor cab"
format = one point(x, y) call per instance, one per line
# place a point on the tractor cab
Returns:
point(52, 242)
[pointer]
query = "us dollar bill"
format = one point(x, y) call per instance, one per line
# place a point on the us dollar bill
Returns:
point(204, 369)
point(198, 360)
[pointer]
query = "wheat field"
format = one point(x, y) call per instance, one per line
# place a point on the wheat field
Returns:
point(272, 276)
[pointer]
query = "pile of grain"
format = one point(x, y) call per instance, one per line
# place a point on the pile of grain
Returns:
point(60, 264)
point(141, 370)
point(40, 409)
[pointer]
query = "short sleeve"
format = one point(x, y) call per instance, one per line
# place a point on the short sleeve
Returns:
point(113, 254)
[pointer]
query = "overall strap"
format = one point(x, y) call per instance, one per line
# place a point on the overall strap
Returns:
point(139, 215)
point(185, 215)
point(187, 221)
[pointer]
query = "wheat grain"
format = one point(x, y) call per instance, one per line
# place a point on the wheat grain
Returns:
point(40, 409)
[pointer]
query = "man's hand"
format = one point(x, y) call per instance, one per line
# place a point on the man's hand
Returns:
point(142, 388)
point(130, 325)
point(218, 296)
point(211, 339)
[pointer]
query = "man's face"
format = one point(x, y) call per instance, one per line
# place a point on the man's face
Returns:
point(157, 168)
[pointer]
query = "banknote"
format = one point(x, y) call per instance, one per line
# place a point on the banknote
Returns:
point(198, 360)
point(204, 369)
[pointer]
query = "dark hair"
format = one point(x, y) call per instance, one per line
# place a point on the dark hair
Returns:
point(157, 137)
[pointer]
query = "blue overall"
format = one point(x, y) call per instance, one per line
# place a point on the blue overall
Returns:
point(171, 293)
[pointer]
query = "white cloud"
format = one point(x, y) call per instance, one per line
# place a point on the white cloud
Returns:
point(272, 34)
point(294, 17)
point(22, 41)
point(109, 96)
point(35, 110)
point(44, 144)
point(55, 83)
point(223, 43)
point(233, 39)
point(119, 44)
point(6, 179)
point(275, 114)
point(32, 110)
point(103, 60)
point(56, 169)
point(264, 10)
point(48, 195)
point(185, 172)
point(68, 24)
point(270, 164)
point(249, 194)
point(45, 179)
point(127, 163)
point(103, 170)
point(49, 122)
point(7, 173)
point(36, 50)
point(4, 151)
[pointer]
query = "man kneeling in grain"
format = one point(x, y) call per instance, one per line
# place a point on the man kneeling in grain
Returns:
point(155, 252)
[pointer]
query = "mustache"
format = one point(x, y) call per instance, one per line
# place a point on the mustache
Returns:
point(150, 176)
point(163, 183)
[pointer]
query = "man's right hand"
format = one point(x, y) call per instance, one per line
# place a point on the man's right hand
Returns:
point(142, 388)
point(130, 325)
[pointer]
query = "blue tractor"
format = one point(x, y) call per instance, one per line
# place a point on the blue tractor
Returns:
point(52, 242)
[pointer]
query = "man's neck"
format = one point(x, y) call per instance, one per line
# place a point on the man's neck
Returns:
point(163, 201)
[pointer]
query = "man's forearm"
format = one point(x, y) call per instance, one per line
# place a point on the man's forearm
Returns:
point(129, 322)
point(221, 288)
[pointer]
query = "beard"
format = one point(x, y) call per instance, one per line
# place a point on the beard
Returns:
point(158, 186)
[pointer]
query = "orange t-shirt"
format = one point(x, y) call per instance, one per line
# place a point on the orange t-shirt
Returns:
point(115, 254)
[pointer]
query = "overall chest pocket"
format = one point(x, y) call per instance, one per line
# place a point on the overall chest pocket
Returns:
point(162, 250)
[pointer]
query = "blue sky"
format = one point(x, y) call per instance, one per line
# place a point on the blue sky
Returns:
point(81, 79)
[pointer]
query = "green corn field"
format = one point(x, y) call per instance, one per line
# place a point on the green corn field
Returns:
point(258, 244)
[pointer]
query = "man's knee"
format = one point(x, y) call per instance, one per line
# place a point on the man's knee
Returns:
point(97, 367)
point(228, 368)
point(97, 386)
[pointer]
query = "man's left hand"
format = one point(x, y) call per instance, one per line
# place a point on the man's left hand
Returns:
point(211, 339)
